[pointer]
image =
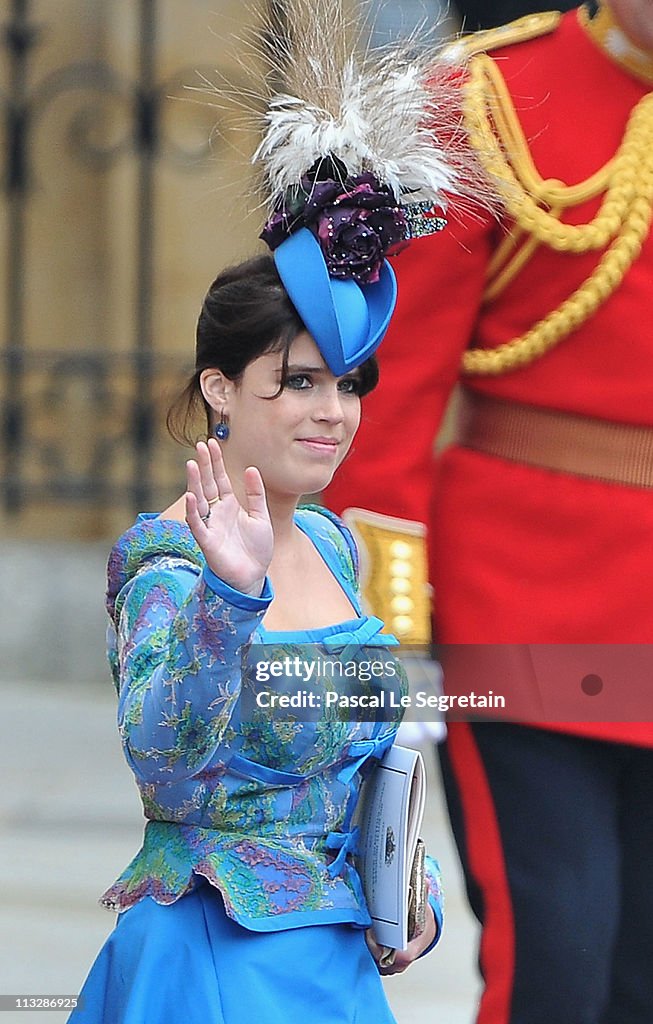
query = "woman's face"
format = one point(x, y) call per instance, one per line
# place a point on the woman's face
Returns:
point(297, 440)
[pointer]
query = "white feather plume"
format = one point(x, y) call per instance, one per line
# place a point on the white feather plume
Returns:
point(394, 112)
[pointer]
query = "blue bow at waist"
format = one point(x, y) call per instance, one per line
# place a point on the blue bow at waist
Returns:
point(345, 843)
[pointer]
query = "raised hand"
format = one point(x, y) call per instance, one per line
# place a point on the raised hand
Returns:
point(237, 542)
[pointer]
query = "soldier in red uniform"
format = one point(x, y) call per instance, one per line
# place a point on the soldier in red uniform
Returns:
point(540, 514)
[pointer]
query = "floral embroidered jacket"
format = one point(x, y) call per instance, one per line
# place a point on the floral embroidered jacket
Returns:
point(259, 806)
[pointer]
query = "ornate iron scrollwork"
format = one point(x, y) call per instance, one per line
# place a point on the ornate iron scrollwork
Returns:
point(69, 417)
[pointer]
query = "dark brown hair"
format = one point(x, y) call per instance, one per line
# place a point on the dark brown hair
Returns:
point(246, 313)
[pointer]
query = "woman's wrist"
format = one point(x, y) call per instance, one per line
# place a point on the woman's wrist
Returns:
point(259, 597)
point(255, 590)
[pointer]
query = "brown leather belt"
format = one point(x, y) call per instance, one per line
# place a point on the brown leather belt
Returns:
point(560, 441)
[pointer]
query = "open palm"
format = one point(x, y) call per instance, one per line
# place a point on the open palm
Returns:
point(236, 541)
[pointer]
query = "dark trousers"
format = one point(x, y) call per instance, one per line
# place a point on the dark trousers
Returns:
point(555, 834)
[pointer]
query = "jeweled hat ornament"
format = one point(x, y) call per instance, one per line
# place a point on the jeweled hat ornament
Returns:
point(358, 154)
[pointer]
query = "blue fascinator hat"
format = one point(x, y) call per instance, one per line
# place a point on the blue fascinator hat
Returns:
point(346, 319)
point(330, 236)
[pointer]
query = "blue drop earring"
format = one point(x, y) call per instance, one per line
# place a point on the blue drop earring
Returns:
point(221, 429)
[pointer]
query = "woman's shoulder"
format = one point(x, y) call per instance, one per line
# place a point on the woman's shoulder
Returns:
point(151, 537)
point(321, 524)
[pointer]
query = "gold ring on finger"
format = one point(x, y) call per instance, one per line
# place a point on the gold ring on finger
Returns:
point(212, 501)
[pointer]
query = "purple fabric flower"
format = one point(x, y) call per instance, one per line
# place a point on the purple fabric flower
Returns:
point(355, 240)
point(356, 224)
point(356, 221)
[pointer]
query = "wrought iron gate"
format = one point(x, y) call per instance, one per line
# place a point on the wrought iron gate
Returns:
point(109, 455)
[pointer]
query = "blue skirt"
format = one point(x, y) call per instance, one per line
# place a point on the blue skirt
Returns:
point(189, 963)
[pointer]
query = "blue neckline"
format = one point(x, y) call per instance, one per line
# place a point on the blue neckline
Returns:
point(320, 632)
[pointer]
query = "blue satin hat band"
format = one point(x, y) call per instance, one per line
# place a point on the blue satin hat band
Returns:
point(346, 320)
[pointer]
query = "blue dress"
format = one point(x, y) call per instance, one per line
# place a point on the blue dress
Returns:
point(244, 902)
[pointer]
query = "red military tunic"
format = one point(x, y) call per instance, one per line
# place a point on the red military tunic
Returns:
point(520, 554)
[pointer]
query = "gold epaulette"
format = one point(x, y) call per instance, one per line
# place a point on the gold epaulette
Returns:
point(520, 31)
point(535, 206)
point(394, 573)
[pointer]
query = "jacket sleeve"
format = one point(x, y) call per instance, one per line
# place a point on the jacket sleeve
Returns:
point(435, 898)
point(179, 639)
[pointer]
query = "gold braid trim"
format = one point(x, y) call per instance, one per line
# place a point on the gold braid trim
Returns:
point(530, 26)
point(622, 222)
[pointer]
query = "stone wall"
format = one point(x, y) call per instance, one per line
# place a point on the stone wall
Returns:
point(52, 617)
